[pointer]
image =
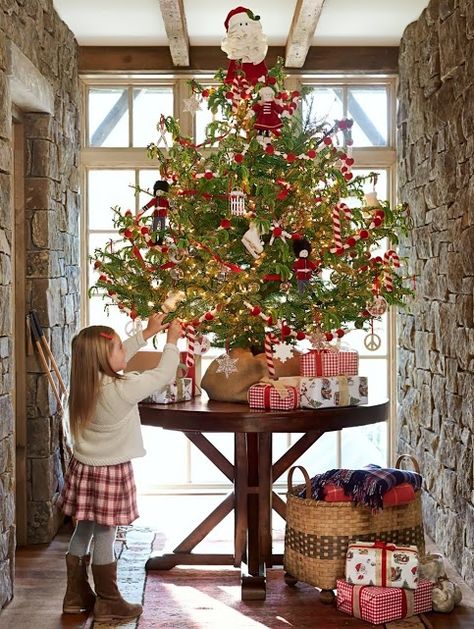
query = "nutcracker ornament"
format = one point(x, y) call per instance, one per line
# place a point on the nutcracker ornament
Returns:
point(161, 205)
point(303, 267)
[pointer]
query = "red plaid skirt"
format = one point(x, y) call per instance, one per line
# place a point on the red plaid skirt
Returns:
point(104, 494)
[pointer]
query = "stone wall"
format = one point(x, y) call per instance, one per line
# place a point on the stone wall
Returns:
point(38, 78)
point(436, 357)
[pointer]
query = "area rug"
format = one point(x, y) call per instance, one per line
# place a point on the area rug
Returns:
point(209, 598)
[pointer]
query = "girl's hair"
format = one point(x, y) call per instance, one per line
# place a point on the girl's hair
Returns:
point(90, 362)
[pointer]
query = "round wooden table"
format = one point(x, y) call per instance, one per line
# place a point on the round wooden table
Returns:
point(252, 474)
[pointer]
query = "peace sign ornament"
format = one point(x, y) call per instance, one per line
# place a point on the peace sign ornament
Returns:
point(372, 342)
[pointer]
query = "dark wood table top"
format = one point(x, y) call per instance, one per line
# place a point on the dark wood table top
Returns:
point(203, 415)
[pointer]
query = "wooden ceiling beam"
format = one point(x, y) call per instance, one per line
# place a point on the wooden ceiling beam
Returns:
point(176, 28)
point(303, 25)
point(320, 59)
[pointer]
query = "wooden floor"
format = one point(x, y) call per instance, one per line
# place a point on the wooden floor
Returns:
point(40, 576)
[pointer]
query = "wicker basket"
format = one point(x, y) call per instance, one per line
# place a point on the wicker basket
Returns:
point(317, 532)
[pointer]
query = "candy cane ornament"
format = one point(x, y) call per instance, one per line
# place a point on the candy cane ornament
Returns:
point(191, 337)
point(270, 339)
point(340, 208)
point(390, 260)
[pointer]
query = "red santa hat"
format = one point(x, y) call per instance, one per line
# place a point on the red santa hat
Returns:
point(236, 11)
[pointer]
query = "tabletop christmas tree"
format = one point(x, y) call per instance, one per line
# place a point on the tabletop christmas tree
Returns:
point(258, 242)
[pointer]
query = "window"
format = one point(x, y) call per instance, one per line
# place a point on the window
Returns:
point(121, 120)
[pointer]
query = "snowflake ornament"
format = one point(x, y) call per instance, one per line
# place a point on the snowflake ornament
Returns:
point(227, 365)
point(283, 352)
point(192, 104)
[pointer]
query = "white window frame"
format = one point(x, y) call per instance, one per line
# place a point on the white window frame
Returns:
point(134, 158)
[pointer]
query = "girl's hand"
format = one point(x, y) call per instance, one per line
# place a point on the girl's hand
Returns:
point(154, 325)
point(175, 332)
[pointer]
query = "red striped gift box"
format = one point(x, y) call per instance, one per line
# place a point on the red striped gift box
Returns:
point(269, 396)
point(378, 605)
point(319, 362)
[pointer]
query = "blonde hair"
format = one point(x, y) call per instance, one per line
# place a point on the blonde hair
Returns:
point(90, 362)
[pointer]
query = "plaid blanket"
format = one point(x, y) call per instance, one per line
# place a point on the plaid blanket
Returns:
point(366, 486)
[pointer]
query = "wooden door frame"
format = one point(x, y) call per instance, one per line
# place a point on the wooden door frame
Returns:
point(19, 324)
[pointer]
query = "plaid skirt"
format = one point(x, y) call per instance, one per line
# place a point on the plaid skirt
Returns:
point(103, 494)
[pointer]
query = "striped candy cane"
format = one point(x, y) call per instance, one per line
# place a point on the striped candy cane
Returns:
point(340, 208)
point(269, 340)
point(390, 259)
point(191, 337)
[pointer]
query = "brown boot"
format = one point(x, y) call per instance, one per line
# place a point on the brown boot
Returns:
point(110, 605)
point(79, 595)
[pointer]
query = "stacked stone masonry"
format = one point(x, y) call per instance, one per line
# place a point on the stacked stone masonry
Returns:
point(32, 37)
point(436, 355)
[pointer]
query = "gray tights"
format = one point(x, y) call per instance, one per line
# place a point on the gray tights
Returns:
point(103, 536)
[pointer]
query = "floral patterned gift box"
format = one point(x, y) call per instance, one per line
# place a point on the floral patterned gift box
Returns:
point(180, 390)
point(381, 563)
point(335, 391)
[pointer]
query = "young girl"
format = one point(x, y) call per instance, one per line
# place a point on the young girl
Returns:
point(99, 489)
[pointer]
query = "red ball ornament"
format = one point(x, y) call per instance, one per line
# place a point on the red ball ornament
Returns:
point(128, 213)
point(271, 80)
point(225, 223)
point(145, 230)
point(311, 153)
point(290, 158)
point(342, 124)
point(340, 333)
point(97, 264)
point(239, 158)
point(364, 234)
point(111, 293)
point(269, 321)
point(195, 323)
point(349, 161)
point(295, 94)
point(327, 141)
point(277, 232)
point(208, 174)
point(229, 95)
point(133, 315)
point(328, 336)
point(339, 251)
point(348, 176)
point(103, 278)
point(205, 93)
point(269, 149)
point(285, 330)
point(380, 214)
point(209, 316)
point(255, 311)
point(128, 233)
point(300, 336)
point(351, 241)
point(377, 221)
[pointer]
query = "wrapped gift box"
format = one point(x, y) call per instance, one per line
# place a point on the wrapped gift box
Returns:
point(380, 605)
point(324, 362)
point(382, 564)
point(178, 391)
point(335, 391)
point(144, 360)
point(275, 395)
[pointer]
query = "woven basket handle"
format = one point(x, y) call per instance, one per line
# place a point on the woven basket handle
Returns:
point(410, 458)
point(306, 479)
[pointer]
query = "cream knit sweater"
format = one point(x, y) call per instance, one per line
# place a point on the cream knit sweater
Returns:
point(114, 434)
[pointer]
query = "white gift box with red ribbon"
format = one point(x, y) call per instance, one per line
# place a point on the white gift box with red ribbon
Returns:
point(383, 564)
point(329, 362)
point(380, 605)
point(274, 395)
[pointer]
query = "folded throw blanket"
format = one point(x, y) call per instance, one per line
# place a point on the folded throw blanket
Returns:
point(366, 486)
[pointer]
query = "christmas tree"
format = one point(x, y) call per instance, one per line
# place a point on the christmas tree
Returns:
point(249, 235)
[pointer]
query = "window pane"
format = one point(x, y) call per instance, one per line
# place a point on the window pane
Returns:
point(202, 470)
point(108, 116)
point(149, 103)
point(367, 106)
point(375, 369)
point(202, 118)
point(165, 460)
point(96, 241)
point(362, 445)
point(320, 457)
point(108, 188)
point(100, 315)
point(323, 104)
